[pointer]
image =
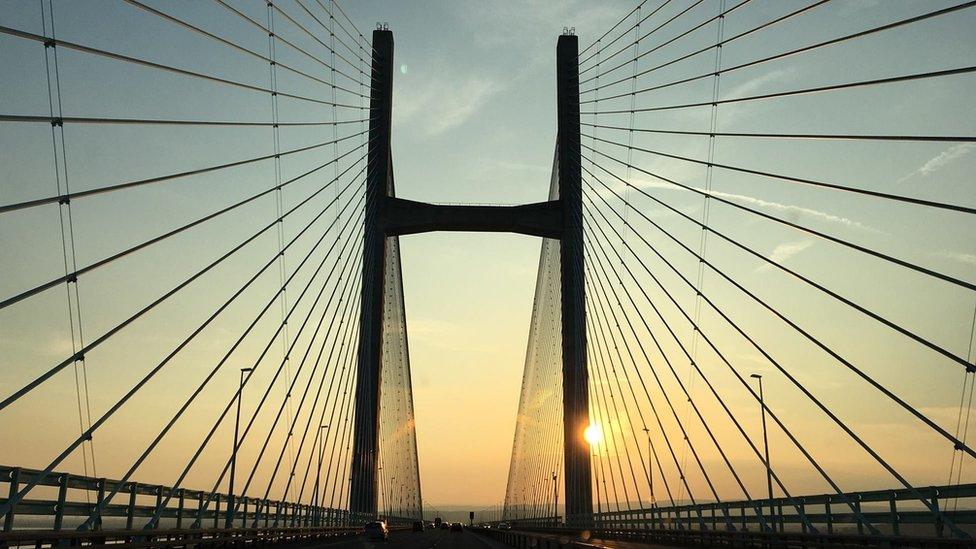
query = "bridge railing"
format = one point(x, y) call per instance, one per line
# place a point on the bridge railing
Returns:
point(65, 501)
point(897, 512)
point(574, 538)
point(891, 512)
point(173, 537)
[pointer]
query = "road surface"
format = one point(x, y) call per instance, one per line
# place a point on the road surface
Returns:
point(441, 539)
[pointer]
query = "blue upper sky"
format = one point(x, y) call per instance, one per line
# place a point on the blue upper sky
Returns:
point(474, 121)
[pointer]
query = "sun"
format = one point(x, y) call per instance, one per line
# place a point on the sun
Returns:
point(593, 434)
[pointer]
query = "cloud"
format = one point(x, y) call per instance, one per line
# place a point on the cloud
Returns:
point(641, 183)
point(945, 158)
point(855, 6)
point(438, 105)
point(793, 212)
point(784, 251)
point(960, 257)
point(53, 344)
point(521, 22)
point(758, 83)
point(789, 249)
point(941, 160)
point(733, 112)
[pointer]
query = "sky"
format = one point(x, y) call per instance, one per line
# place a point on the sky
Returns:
point(474, 122)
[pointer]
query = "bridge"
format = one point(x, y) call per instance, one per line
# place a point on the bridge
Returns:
point(754, 308)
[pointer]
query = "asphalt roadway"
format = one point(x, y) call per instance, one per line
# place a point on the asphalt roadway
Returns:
point(444, 539)
point(441, 539)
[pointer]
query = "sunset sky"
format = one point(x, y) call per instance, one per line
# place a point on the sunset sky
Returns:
point(474, 121)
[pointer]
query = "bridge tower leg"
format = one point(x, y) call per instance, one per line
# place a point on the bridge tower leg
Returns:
point(579, 501)
point(379, 182)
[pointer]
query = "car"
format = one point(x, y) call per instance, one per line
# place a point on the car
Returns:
point(376, 530)
point(430, 526)
point(418, 526)
point(457, 527)
point(445, 525)
point(504, 526)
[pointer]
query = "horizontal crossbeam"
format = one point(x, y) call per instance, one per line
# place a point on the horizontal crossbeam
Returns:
point(400, 217)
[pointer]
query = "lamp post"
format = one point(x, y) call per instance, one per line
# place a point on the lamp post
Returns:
point(318, 472)
point(769, 471)
point(555, 500)
point(382, 491)
point(593, 435)
point(389, 500)
point(229, 520)
point(650, 466)
point(599, 508)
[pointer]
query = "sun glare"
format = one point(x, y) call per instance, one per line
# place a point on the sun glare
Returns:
point(593, 434)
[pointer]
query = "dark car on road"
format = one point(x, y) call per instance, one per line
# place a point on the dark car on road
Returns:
point(376, 530)
point(418, 526)
point(457, 527)
point(445, 525)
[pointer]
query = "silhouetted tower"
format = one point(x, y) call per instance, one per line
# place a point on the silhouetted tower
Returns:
point(387, 216)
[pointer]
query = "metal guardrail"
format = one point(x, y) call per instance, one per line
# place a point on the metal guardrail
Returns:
point(562, 538)
point(893, 512)
point(173, 537)
point(183, 514)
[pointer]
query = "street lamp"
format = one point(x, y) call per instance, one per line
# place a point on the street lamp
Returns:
point(382, 491)
point(555, 501)
point(593, 435)
point(650, 466)
point(229, 521)
point(769, 471)
point(318, 472)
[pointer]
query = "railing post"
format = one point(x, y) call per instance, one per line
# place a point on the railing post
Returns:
point(62, 497)
point(131, 511)
point(198, 523)
point(379, 184)
point(159, 507)
point(895, 526)
point(179, 509)
point(830, 517)
point(100, 485)
point(579, 499)
point(8, 521)
point(803, 513)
